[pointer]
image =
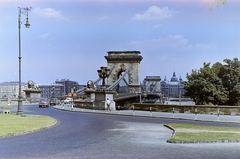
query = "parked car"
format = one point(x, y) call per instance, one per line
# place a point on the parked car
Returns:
point(68, 100)
point(43, 102)
point(54, 101)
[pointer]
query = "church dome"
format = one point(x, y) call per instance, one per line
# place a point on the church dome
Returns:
point(174, 78)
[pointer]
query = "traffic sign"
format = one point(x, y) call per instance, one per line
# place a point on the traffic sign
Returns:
point(74, 94)
point(70, 94)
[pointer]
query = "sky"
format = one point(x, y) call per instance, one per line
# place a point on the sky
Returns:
point(68, 39)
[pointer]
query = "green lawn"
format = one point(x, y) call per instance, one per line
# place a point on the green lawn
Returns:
point(188, 132)
point(11, 124)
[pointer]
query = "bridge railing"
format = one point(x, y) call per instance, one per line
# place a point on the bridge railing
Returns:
point(189, 109)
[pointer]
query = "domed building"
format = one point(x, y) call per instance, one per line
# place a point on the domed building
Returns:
point(173, 88)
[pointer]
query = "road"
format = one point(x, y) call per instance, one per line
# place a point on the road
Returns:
point(88, 135)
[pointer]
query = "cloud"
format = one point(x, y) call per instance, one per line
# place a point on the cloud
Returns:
point(171, 41)
point(103, 18)
point(44, 36)
point(50, 13)
point(157, 26)
point(205, 46)
point(154, 13)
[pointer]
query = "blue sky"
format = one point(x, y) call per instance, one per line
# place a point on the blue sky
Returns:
point(69, 38)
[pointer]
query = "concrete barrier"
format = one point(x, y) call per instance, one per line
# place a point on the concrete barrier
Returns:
point(6, 111)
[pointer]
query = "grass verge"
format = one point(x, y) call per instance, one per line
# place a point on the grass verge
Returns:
point(11, 124)
point(189, 132)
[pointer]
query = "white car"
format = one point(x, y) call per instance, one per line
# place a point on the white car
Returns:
point(68, 101)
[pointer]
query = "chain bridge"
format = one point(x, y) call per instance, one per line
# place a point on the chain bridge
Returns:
point(124, 78)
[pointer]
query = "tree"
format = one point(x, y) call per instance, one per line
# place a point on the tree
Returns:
point(219, 84)
point(204, 86)
point(230, 76)
point(216, 3)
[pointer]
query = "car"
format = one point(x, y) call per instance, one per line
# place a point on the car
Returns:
point(54, 101)
point(43, 102)
point(68, 100)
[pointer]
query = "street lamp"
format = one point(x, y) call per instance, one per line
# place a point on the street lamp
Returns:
point(74, 88)
point(53, 91)
point(103, 73)
point(27, 25)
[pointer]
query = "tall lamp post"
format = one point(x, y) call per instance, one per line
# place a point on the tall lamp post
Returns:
point(74, 88)
point(53, 91)
point(74, 93)
point(27, 25)
point(103, 73)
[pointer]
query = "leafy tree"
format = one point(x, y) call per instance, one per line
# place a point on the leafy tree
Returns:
point(230, 76)
point(204, 86)
point(216, 3)
point(219, 84)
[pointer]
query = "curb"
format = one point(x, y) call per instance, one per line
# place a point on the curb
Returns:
point(203, 142)
point(198, 120)
point(169, 127)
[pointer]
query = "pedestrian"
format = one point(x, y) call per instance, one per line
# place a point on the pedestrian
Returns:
point(108, 104)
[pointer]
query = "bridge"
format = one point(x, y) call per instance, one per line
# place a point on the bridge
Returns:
point(124, 78)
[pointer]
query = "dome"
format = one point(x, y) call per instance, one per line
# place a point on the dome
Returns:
point(174, 78)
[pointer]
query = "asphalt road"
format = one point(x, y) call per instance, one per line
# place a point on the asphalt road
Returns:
point(87, 135)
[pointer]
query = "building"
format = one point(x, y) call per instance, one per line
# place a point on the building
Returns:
point(173, 88)
point(60, 88)
point(51, 90)
point(11, 90)
point(69, 86)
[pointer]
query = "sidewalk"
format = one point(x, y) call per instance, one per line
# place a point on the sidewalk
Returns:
point(180, 116)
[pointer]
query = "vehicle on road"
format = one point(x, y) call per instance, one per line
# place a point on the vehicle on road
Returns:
point(54, 101)
point(43, 102)
point(68, 100)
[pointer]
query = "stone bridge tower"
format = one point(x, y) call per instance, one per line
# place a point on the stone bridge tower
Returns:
point(152, 84)
point(125, 61)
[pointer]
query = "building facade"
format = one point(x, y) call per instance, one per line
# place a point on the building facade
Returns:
point(51, 90)
point(11, 90)
point(173, 88)
point(69, 86)
point(60, 88)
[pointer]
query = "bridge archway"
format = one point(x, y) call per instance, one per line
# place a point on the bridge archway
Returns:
point(127, 62)
point(122, 87)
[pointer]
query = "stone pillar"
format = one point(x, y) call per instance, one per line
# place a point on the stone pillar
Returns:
point(32, 95)
point(122, 60)
point(109, 95)
point(153, 82)
point(101, 98)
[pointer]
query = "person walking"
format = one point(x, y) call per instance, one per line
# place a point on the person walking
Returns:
point(108, 104)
